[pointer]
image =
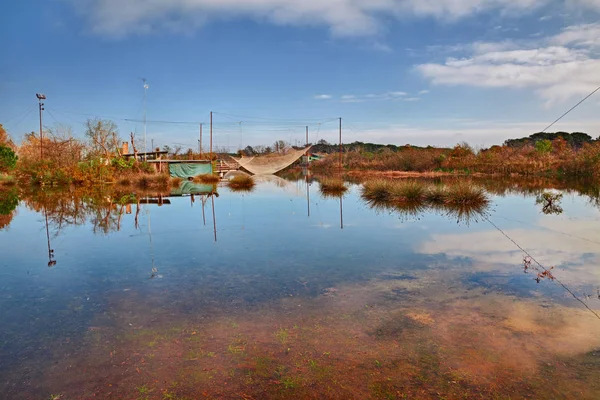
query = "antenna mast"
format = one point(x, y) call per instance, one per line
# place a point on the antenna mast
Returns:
point(145, 145)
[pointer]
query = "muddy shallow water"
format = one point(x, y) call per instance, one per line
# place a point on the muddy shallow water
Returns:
point(285, 293)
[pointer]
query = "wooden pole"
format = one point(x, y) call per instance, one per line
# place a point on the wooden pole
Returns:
point(211, 130)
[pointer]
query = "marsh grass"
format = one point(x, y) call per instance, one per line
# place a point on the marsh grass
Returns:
point(466, 194)
point(207, 178)
point(332, 186)
point(463, 201)
point(242, 182)
point(153, 181)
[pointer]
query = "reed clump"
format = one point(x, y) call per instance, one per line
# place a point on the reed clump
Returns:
point(207, 178)
point(415, 192)
point(466, 194)
point(161, 181)
point(333, 186)
point(242, 182)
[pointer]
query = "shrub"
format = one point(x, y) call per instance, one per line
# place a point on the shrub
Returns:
point(8, 159)
point(543, 146)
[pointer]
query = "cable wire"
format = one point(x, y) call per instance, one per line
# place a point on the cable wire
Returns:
point(572, 108)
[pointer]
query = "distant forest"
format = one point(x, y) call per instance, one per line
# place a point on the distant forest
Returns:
point(575, 140)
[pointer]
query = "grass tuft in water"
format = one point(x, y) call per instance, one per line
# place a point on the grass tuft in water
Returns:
point(333, 186)
point(241, 182)
point(383, 192)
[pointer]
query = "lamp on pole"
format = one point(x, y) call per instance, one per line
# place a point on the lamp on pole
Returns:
point(41, 97)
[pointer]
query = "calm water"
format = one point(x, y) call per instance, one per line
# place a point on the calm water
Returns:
point(263, 300)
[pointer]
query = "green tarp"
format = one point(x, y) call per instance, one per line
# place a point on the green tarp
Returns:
point(188, 187)
point(189, 170)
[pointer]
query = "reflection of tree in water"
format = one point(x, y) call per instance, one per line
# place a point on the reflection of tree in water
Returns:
point(9, 200)
point(101, 209)
point(550, 202)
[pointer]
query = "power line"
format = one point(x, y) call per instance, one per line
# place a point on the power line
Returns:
point(299, 120)
point(574, 107)
point(542, 267)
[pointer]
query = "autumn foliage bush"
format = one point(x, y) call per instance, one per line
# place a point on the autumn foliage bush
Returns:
point(544, 158)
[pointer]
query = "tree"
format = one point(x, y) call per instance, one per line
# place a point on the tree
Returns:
point(103, 137)
point(248, 151)
point(8, 159)
point(543, 146)
point(5, 138)
point(279, 146)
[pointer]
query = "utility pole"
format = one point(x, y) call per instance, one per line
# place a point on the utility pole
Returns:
point(152, 141)
point(41, 97)
point(307, 137)
point(306, 154)
point(200, 150)
point(145, 145)
point(340, 146)
point(211, 130)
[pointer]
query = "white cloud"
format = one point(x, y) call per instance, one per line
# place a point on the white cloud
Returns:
point(323, 97)
point(342, 17)
point(424, 92)
point(351, 98)
point(580, 35)
point(558, 68)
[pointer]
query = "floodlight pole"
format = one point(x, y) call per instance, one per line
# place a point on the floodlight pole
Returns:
point(41, 107)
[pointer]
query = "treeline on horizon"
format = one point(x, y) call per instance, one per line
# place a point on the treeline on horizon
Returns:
point(575, 140)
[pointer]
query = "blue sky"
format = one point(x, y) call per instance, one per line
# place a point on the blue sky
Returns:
point(396, 71)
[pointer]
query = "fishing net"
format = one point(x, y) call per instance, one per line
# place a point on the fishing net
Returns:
point(266, 165)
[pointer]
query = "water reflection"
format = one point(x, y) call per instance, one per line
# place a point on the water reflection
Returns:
point(280, 307)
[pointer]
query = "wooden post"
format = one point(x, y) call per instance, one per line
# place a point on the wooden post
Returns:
point(211, 130)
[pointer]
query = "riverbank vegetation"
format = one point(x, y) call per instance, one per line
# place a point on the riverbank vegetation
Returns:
point(547, 154)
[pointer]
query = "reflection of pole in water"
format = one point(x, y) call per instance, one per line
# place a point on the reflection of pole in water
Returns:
point(341, 213)
point(150, 235)
point(51, 261)
point(308, 196)
point(203, 214)
point(212, 198)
